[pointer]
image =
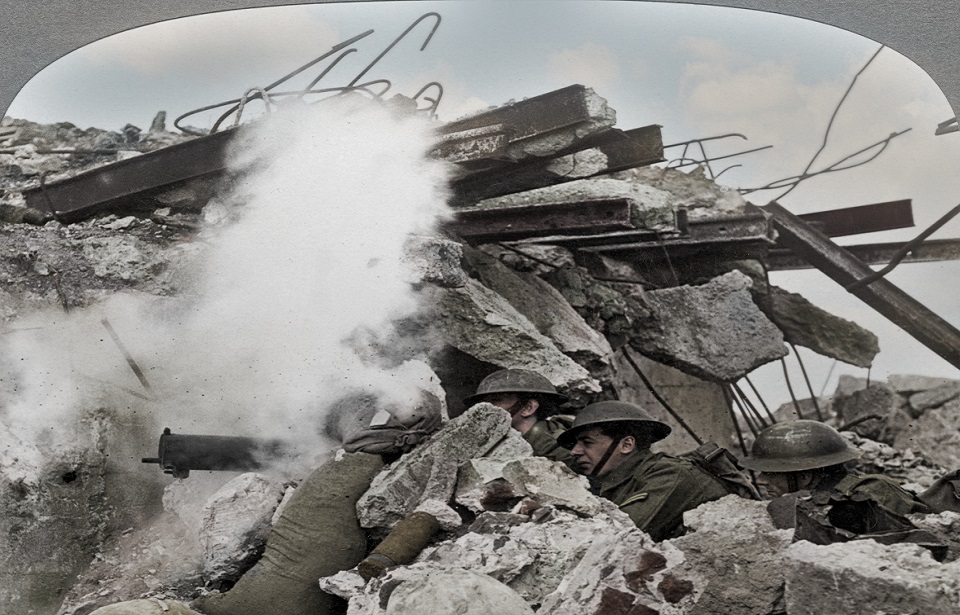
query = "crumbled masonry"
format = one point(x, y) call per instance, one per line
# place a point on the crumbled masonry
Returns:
point(87, 528)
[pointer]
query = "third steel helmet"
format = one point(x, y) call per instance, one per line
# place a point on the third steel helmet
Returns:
point(613, 412)
point(794, 446)
point(515, 381)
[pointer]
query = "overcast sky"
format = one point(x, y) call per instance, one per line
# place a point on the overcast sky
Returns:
point(698, 71)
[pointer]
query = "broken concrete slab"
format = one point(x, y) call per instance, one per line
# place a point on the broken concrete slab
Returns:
point(863, 576)
point(408, 589)
point(434, 260)
point(429, 472)
point(713, 331)
point(485, 484)
point(879, 400)
point(544, 125)
point(749, 577)
point(847, 385)
point(455, 591)
point(931, 398)
point(235, 523)
point(547, 309)
point(624, 573)
point(804, 324)
point(905, 384)
point(702, 197)
point(937, 433)
point(649, 209)
point(534, 557)
point(482, 324)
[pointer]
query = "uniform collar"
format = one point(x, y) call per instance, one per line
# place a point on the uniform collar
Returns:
point(624, 471)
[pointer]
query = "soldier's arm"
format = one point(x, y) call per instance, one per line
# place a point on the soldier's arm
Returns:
point(891, 496)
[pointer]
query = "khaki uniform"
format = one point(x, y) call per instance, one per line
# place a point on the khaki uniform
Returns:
point(656, 489)
point(886, 492)
point(543, 439)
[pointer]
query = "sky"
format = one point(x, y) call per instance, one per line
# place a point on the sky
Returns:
point(697, 71)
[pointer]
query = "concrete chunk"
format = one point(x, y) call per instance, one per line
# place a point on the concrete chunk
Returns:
point(547, 309)
point(863, 576)
point(936, 433)
point(804, 324)
point(749, 576)
point(906, 384)
point(429, 472)
point(481, 323)
point(931, 398)
point(235, 523)
point(713, 331)
point(878, 399)
point(434, 260)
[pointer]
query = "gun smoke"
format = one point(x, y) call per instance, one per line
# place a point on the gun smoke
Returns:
point(323, 198)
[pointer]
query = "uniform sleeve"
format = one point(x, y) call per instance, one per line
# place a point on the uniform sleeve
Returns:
point(666, 492)
point(891, 496)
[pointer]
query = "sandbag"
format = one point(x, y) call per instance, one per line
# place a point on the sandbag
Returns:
point(316, 536)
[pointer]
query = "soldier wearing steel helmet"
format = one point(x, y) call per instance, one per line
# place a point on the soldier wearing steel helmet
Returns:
point(532, 402)
point(610, 442)
point(807, 455)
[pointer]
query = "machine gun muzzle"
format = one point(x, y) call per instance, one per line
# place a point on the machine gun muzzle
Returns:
point(180, 453)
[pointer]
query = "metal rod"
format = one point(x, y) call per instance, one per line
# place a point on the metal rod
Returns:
point(749, 404)
point(786, 378)
point(733, 419)
point(760, 398)
point(803, 370)
point(658, 397)
point(750, 421)
point(397, 40)
point(126, 355)
point(862, 419)
point(902, 252)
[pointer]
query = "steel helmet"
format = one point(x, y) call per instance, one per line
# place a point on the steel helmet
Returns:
point(794, 446)
point(516, 381)
point(613, 412)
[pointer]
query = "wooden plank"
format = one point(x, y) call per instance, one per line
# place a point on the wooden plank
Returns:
point(862, 219)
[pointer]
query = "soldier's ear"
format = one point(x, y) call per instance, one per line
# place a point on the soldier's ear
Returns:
point(628, 444)
point(529, 408)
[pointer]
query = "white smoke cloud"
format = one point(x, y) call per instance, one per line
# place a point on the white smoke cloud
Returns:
point(329, 193)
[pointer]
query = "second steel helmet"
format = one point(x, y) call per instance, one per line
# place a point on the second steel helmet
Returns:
point(794, 446)
point(515, 381)
point(613, 412)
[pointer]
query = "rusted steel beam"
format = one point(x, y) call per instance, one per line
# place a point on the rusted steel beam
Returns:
point(612, 150)
point(86, 193)
point(844, 268)
point(748, 232)
point(931, 250)
point(862, 219)
point(510, 223)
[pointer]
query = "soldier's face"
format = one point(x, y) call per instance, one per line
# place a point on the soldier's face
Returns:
point(505, 401)
point(590, 448)
point(780, 483)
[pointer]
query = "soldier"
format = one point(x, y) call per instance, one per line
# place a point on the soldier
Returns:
point(807, 455)
point(532, 402)
point(610, 442)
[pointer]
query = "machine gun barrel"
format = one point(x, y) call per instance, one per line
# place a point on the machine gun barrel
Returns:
point(179, 453)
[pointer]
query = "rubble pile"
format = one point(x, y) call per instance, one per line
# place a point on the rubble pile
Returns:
point(528, 274)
